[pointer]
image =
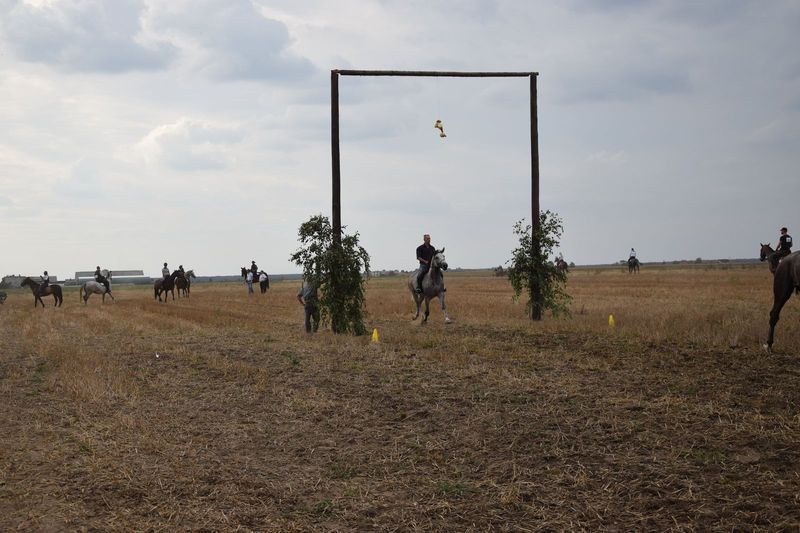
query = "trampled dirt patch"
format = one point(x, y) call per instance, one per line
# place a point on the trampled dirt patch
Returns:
point(244, 422)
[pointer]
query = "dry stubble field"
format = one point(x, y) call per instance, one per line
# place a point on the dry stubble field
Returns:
point(675, 419)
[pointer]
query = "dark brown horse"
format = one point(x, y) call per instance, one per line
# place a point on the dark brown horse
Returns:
point(786, 279)
point(184, 284)
point(55, 290)
point(166, 285)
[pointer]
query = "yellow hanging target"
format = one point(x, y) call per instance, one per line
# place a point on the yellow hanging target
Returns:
point(438, 126)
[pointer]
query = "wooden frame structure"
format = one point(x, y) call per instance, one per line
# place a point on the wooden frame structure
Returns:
point(536, 311)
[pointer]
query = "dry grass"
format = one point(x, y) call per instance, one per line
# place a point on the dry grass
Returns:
point(676, 419)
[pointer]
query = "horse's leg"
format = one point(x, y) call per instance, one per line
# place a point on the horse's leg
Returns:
point(417, 302)
point(444, 308)
point(427, 310)
point(782, 294)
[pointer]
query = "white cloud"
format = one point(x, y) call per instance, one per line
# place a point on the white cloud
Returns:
point(189, 145)
point(82, 35)
point(228, 39)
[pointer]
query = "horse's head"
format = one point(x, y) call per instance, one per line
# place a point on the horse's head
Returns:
point(27, 282)
point(106, 274)
point(244, 272)
point(190, 274)
point(766, 251)
point(439, 260)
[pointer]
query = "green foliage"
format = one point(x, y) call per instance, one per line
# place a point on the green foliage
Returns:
point(336, 269)
point(531, 270)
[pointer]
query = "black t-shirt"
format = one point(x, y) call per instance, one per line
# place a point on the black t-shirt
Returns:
point(786, 242)
point(425, 251)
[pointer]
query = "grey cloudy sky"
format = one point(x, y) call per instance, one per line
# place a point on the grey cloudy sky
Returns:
point(198, 132)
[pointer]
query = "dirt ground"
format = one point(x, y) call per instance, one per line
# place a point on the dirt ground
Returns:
point(218, 412)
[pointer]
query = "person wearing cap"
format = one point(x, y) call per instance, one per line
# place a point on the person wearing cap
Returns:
point(784, 244)
point(254, 269)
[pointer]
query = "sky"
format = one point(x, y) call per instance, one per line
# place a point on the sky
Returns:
point(136, 132)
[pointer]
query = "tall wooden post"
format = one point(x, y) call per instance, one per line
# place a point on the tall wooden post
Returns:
point(536, 308)
point(337, 173)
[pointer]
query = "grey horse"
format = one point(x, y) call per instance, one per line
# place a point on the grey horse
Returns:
point(432, 286)
point(93, 287)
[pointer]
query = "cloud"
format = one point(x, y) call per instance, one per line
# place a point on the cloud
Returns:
point(87, 35)
point(189, 145)
point(229, 40)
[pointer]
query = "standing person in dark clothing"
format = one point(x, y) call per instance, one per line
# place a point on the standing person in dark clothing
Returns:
point(425, 253)
point(307, 296)
point(100, 278)
point(263, 281)
point(784, 244)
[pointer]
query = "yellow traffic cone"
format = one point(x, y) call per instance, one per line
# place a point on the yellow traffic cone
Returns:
point(611, 323)
point(375, 335)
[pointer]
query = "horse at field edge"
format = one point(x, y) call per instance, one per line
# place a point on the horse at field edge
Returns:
point(55, 290)
point(432, 286)
point(184, 284)
point(166, 285)
point(786, 280)
point(633, 265)
point(95, 287)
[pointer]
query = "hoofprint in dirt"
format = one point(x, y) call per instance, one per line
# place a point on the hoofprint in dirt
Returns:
point(243, 421)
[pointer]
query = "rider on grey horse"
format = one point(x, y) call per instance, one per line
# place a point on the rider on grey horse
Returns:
point(425, 253)
point(100, 278)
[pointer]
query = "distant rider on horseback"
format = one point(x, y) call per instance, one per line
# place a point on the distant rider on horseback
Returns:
point(425, 253)
point(165, 271)
point(45, 282)
point(632, 257)
point(100, 278)
point(784, 244)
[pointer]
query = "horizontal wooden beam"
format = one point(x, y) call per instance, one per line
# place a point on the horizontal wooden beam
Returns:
point(435, 73)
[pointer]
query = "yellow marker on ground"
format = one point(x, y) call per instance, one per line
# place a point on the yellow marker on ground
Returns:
point(611, 323)
point(375, 335)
